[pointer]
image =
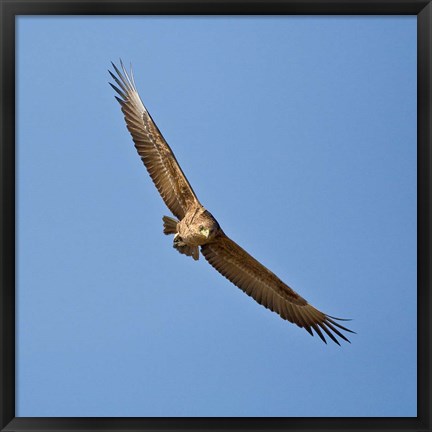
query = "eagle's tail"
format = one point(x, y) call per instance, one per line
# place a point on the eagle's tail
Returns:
point(169, 225)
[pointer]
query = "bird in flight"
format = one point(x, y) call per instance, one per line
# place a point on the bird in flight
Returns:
point(195, 228)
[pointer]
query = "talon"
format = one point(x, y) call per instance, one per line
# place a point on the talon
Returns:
point(178, 241)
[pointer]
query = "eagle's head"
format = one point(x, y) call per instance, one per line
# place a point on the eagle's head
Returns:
point(208, 226)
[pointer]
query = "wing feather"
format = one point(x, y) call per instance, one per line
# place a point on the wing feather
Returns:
point(155, 152)
point(233, 262)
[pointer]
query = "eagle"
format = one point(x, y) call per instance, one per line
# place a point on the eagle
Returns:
point(195, 229)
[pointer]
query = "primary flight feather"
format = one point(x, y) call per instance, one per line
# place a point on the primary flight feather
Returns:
point(195, 227)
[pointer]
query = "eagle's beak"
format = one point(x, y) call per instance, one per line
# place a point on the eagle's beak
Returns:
point(205, 232)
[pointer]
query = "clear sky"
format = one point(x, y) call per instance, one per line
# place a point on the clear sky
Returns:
point(298, 134)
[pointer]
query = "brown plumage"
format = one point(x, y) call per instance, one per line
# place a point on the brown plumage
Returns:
point(195, 227)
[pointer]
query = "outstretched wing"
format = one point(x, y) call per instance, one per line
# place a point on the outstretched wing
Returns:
point(244, 271)
point(155, 152)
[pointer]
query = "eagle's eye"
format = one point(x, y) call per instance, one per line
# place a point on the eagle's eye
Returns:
point(201, 227)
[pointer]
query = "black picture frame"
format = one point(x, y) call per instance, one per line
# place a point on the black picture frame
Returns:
point(11, 8)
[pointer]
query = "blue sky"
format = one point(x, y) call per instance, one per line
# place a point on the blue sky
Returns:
point(298, 134)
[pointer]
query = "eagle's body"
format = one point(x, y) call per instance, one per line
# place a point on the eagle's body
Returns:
point(196, 229)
